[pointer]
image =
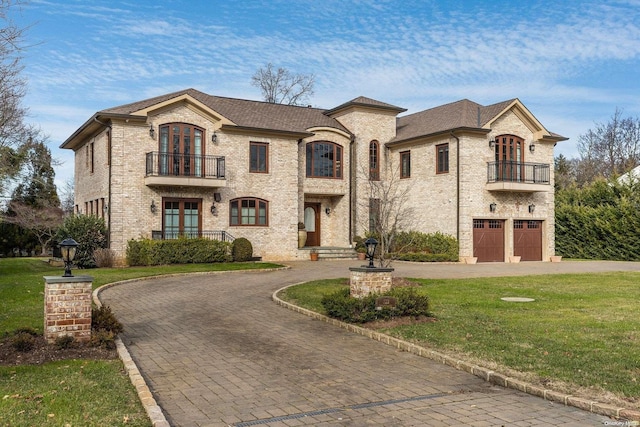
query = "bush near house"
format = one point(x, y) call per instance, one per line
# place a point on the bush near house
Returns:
point(421, 247)
point(177, 251)
point(242, 250)
point(89, 231)
point(340, 305)
point(599, 221)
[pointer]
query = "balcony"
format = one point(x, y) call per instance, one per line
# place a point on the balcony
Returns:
point(518, 177)
point(170, 169)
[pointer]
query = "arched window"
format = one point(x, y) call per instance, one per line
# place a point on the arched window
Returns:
point(324, 160)
point(374, 161)
point(181, 150)
point(248, 211)
point(509, 155)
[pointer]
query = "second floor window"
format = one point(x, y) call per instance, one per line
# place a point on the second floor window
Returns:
point(181, 148)
point(405, 164)
point(442, 158)
point(259, 157)
point(324, 160)
point(374, 161)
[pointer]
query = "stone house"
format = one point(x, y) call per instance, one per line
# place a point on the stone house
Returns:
point(191, 164)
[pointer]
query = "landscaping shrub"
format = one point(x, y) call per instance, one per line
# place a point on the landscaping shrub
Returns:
point(23, 342)
point(103, 319)
point(65, 341)
point(89, 231)
point(416, 246)
point(242, 250)
point(105, 258)
point(177, 251)
point(340, 305)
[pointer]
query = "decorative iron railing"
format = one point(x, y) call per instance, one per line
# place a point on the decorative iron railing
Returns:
point(213, 235)
point(186, 165)
point(526, 173)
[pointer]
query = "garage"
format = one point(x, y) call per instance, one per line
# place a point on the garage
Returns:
point(488, 240)
point(527, 240)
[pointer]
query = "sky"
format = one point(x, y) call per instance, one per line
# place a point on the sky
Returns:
point(572, 63)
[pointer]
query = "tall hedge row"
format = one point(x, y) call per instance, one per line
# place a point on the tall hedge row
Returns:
point(178, 251)
point(601, 221)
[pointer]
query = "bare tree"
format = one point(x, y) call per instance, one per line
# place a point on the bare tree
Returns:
point(389, 211)
point(42, 221)
point(67, 197)
point(279, 86)
point(14, 132)
point(610, 149)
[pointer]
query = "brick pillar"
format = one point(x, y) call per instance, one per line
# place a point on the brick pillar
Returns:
point(364, 281)
point(67, 307)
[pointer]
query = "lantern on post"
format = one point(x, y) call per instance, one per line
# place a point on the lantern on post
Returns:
point(370, 244)
point(68, 248)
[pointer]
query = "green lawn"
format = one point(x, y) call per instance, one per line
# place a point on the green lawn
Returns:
point(581, 333)
point(74, 392)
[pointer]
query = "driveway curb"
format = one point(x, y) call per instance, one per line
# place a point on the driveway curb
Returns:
point(479, 371)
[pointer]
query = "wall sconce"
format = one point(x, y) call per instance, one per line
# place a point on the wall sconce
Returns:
point(492, 207)
point(105, 209)
point(214, 137)
point(492, 143)
point(214, 210)
point(152, 132)
point(68, 249)
point(153, 207)
point(216, 199)
point(532, 208)
point(327, 211)
point(532, 147)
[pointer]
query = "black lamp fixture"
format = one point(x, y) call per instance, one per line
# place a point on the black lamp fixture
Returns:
point(216, 199)
point(153, 207)
point(532, 147)
point(370, 244)
point(532, 208)
point(214, 137)
point(152, 131)
point(492, 207)
point(327, 211)
point(214, 210)
point(68, 248)
point(492, 143)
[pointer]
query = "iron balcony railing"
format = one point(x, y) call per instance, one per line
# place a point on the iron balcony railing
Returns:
point(186, 165)
point(526, 173)
point(213, 235)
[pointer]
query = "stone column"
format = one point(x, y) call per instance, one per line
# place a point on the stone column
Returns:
point(365, 281)
point(67, 307)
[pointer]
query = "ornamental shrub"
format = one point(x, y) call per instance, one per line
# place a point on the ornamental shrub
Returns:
point(89, 231)
point(409, 302)
point(242, 250)
point(421, 247)
point(103, 319)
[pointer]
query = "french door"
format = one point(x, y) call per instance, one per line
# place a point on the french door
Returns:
point(181, 150)
point(181, 217)
point(509, 155)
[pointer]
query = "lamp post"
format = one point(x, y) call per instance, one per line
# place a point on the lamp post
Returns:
point(371, 244)
point(68, 248)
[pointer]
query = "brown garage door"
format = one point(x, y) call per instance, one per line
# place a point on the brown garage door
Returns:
point(488, 240)
point(527, 240)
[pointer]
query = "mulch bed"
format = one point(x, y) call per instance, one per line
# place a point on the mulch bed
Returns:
point(43, 353)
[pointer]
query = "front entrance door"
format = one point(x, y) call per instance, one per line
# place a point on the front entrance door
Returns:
point(312, 223)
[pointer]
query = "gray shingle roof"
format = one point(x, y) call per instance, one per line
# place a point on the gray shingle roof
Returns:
point(246, 113)
point(456, 115)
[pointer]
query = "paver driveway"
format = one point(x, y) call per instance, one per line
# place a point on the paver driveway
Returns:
point(216, 351)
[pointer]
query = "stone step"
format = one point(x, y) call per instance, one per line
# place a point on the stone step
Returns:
point(332, 252)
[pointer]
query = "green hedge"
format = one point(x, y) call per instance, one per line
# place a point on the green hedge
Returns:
point(416, 246)
point(178, 251)
point(340, 305)
point(601, 221)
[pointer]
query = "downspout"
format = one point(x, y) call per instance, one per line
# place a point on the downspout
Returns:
point(457, 189)
point(109, 159)
point(352, 190)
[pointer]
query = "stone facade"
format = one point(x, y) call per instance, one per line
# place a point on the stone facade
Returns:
point(365, 281)
point(110, 178)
